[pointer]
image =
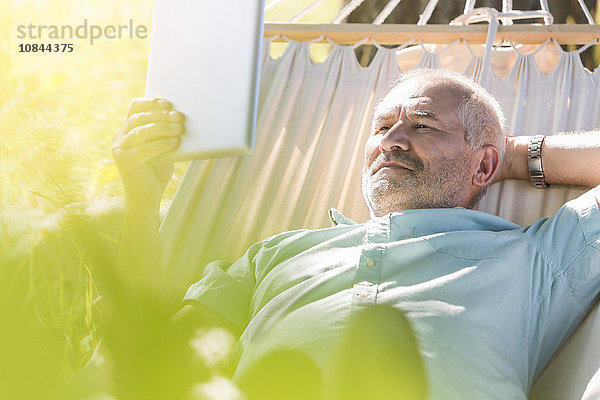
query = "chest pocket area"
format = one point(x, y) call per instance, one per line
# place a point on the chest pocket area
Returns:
point(469, 245)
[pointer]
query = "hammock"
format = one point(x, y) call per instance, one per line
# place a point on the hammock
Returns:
point(313, 120)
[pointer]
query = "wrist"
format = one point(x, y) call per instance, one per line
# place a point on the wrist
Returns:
point(516, 158)
point(534, 161)
point(142, 201)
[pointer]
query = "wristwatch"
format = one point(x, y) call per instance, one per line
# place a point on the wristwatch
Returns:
point(534, 161)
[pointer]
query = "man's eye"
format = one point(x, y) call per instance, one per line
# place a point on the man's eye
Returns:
point(421, 126)
point(383, 128)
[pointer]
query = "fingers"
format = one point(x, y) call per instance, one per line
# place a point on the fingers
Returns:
point(144, 104)
point(150, 132)
point(147, 117)
point(152, 128)
point(148, 126)
point(135, 157)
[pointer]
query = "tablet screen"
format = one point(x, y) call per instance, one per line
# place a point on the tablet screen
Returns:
point(204, 58)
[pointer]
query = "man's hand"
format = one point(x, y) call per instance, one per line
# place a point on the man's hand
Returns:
point(504, 170)
point(152, 128)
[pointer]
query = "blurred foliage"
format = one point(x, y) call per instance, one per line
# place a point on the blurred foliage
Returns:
point(60, 295)
point(58, 111)
point(51, 310)
point(60, 219)
point(61, 215)
point(60, 208)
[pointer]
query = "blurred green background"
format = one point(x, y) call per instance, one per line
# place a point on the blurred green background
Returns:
point(60, 202)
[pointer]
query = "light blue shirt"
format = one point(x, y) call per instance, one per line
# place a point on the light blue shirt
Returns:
point(490, 301)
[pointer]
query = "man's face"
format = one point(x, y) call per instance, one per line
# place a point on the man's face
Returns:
point(416, 155)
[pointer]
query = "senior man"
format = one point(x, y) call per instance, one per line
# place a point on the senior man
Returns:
point(489, 301)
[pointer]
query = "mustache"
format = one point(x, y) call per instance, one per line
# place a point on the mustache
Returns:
point(408, 160)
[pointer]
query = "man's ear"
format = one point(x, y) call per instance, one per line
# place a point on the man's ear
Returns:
point(489, 161)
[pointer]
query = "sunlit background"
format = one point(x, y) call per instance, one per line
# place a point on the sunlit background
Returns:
point(58, 112)
point(60, 207)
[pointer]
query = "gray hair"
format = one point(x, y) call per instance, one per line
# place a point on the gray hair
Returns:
point(480, 113)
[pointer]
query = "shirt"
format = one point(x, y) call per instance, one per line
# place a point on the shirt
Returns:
point(489, 301)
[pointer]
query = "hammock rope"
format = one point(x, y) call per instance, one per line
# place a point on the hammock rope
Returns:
point(587, 13)
point(469, 9)
point(346, 11)
point(424, 18)
point(507, 6)
point(308, 9)
point(387, 10)
point(272, 4)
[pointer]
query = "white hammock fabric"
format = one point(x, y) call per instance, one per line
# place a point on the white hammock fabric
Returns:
point(313, 121)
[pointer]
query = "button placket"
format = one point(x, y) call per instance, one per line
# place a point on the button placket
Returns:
point(369, 267)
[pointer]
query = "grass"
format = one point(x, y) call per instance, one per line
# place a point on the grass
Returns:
point(60, 207)
point(60, 210)
point(58, 180)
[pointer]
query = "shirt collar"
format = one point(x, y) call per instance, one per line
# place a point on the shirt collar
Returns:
point(337, 218)
point(437, 220)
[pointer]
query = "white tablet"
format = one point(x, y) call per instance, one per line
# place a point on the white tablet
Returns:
point(205, 57)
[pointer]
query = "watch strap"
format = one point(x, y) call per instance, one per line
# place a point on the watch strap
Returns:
point(534, 162)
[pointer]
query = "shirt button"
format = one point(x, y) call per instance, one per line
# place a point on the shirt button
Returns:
point(370, 262)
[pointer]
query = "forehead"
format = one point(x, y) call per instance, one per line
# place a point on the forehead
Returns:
point(437, 97)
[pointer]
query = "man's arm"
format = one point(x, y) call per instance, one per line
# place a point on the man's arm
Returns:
point(151, 129)
point(567, 159)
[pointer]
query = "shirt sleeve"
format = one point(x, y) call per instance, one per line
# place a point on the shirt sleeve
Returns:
point(571, 242)
point(227, 288)
point(569, 268)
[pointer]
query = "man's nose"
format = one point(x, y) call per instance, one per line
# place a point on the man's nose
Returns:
point(396, 138)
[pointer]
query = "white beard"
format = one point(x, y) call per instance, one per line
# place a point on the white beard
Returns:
point(396, 190)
